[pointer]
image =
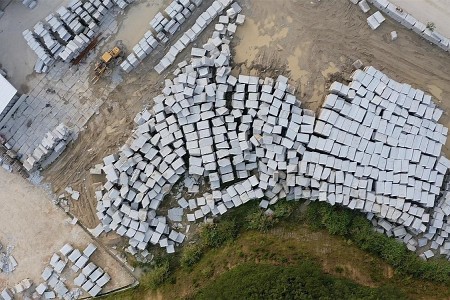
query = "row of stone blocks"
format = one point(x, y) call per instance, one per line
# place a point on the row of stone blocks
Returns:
point(405, 19)
point(52, 145)
point(66, 33)
point(162, 27)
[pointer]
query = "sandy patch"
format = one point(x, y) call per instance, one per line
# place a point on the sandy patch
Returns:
point(136, 22)
point(37, 229)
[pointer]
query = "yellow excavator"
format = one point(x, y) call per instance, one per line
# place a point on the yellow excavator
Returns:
point(102, 66)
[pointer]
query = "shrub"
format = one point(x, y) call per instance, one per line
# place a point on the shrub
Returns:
point(354, 226)
point(215, 235)
point(303, 281)
point(258, 220)
point(283, 209)
point(431, 26)
point(156, 276)
point(191, 255)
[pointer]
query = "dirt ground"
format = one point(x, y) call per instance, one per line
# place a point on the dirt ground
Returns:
point(312, 42)
point(136, 21)
point(28, 219)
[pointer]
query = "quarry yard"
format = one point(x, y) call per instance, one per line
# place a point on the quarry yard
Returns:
point(313, 43)
point(289, 39)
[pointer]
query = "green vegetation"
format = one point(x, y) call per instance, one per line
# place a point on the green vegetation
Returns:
point(355, 227)
point(303, 281)
point(215, 235)
point(251, 217)
point(157, 275)
point(191, 255)
point(257, 219)
point(211, 236)
point(268, 256)
point(431, 26)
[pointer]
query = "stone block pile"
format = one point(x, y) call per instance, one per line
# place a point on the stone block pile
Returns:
point(7, 294)
point(22, 287)
point(200, 25)
point(67, 32)
point(7, 262)
point(19, 291)
point(153, 159)
point(363, 5)
point(29, 3)
point(89, 277)
point(375, 20)
point(52, 145)
point(375, 146)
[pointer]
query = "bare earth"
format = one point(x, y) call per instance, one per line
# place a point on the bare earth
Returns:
point(36, 228)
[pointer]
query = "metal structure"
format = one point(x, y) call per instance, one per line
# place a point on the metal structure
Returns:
point(102, 67)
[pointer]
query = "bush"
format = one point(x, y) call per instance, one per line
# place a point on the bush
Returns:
point(191, 255)
point(283, 209)
point(258, 220)
point(354, 226)
point(215, 235)
point(157, 276)
point(304, 281)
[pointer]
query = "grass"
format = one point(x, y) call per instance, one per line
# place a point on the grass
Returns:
point(353, 226)
point(289, 246)
point(305, 280)
point(285, 239)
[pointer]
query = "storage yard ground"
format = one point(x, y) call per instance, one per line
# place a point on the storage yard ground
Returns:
point(290, 37)
point(36, 228)
point(311, 42)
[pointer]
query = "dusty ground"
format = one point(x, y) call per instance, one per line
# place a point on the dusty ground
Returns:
point(312, 42)
point(436, 11)
point(136, 21)
point(28, 219)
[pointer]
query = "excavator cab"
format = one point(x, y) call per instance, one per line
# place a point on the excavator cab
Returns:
point(102, 66)
point(112, 54)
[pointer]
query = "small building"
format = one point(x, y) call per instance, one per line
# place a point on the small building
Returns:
point(7, 97)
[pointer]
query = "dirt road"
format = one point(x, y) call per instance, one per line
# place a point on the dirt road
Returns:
point(312, 42)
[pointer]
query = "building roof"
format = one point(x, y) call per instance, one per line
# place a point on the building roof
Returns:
point(7, 92)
